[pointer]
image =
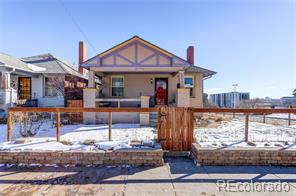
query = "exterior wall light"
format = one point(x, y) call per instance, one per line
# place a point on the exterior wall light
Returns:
point(151, 80)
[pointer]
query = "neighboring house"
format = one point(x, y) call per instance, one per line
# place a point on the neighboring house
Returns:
point(42, 81)
point(136, 70)
point(229, 100)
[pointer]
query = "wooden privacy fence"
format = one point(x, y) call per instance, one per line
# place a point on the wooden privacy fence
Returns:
point(175, 128)
point(247, 113)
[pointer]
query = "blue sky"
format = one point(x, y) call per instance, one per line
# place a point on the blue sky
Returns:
point(248, 42)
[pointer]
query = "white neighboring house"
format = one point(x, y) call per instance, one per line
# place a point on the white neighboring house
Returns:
point(42, 80)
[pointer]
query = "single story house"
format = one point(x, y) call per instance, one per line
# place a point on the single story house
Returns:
point(42, 80)
point(137, 73)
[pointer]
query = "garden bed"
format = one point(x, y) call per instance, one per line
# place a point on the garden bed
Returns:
point(257, 156)
point(130, 156)
point(82, 144)
point(231, 134)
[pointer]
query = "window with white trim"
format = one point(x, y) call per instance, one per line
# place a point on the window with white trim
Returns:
point(189, 83)
point(117, 86)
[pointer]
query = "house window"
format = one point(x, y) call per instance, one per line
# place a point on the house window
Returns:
point(50, 87)
point(117, 86)
point(81, 85)
point(189, 83)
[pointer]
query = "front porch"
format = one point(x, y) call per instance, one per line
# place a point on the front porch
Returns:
point(141, 90)
point(126, 89)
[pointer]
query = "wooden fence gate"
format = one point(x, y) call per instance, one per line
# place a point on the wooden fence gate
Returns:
point(175, 128)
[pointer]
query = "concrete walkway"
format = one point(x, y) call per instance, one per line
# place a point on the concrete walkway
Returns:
point(178, 177)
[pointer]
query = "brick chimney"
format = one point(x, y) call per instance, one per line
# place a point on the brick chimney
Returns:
point(190, 55)
point(82, 55)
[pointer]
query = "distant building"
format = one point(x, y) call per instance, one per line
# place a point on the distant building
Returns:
point(289, 101)
point(228, 100)
point(268, 103)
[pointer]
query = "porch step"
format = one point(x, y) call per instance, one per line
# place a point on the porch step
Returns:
point(176, 153)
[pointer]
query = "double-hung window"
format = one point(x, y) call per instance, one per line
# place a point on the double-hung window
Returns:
point(117, 86)
point(189, 83)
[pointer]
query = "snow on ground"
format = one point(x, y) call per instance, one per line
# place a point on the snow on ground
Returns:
point(45, 139)
point(281, 116)
point(231, 133)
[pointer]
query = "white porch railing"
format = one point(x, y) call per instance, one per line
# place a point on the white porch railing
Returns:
point(118, 100)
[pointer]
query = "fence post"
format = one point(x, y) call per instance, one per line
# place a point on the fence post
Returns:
point(233, 115)
point(264, 120)
point(289, 119)
point(9, 126)
point(58, 123)
point(159, 124)
point(247, 128)
point(110, 126)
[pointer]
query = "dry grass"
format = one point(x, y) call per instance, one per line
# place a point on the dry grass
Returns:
point(210, 120)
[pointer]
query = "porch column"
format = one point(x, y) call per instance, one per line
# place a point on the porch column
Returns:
point(181, 79)
point(144, 116)
point(89, 101)
point(183, 97)
point(91, 79)
point(5, 80)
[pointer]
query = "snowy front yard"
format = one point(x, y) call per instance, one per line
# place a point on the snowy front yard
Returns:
point(73, 137)
point(231, 133)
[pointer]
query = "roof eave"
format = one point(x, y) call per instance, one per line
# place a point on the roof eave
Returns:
point(206, 72)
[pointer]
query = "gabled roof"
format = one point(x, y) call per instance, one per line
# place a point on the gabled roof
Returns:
point(139, 39)
point(195, 69)
point(13, 62)
point(53, 65)
point(188, 69)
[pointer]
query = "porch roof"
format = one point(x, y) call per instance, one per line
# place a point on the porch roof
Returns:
point(151, 70)
point(13, 62)
point(129, 69)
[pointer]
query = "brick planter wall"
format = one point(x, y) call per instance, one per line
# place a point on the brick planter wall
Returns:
point(244, 156)
point(151, 157)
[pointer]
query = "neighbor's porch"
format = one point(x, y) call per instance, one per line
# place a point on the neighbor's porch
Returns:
point(15, 88)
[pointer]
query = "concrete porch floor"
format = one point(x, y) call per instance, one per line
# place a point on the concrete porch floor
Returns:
point(179, 176)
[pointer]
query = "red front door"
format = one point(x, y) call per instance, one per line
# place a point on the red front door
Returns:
point(161, 91)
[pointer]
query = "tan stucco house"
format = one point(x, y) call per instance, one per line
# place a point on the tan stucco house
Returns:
point(137, 73)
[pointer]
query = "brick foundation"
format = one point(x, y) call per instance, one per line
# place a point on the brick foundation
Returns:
point(149, 157)
point(243, 156)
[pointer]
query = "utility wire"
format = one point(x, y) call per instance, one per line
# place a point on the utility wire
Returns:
point(77, 25)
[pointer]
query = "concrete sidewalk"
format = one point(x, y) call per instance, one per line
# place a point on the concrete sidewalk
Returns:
point(178, 177)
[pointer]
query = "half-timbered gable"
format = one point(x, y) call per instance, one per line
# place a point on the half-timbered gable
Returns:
point(136, 52)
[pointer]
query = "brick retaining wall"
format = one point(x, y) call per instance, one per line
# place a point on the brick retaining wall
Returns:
point(151, 157)
point(244, 156)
